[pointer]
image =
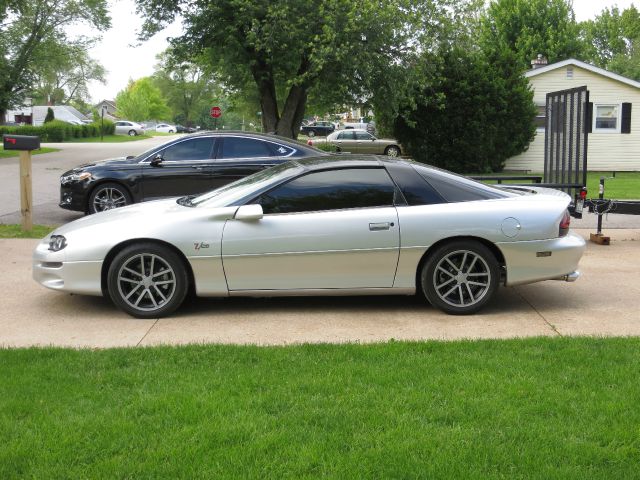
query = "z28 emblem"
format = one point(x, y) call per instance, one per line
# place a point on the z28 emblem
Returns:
point(199, 245)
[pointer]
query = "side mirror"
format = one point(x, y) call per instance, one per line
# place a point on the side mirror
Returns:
point(156, 161)
point(249, 212)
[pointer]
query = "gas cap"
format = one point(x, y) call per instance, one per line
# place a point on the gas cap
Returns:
point(511, 227)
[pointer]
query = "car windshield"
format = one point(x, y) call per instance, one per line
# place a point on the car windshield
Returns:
point(231, 193)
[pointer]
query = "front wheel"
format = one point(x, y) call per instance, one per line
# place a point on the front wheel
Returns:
point(132, 133)
point(460, 277)
point(107, 197)
point(311, 133)
point(392, 151)
point(147, 280)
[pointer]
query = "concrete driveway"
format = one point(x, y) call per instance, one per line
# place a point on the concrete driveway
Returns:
point(604, 301)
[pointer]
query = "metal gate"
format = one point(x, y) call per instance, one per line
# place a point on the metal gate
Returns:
point(568, 119)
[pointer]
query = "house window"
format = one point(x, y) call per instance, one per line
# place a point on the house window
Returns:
point(541, 117)
point(606, 118)
point(569, 72)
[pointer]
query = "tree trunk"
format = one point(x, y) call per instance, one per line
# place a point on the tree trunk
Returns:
point(289, 124)
point(3, 116)
point(263, 76)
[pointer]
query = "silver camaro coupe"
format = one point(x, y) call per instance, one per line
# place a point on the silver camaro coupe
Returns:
point(340, 225)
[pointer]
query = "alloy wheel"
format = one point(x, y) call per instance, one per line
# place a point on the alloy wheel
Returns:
point(462, 278)
point(146, 282)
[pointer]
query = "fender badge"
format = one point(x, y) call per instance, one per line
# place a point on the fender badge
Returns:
point(199, 245)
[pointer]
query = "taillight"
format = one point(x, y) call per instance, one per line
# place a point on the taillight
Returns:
point(564, 224)
point(583, 193)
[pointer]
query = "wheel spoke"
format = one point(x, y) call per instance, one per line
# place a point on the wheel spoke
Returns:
point(478, 284)
point(164, 299)
point(160, 273)
point(464, 260)
point(153, 260)
point(443, 270)
point(132, 291)
point(479, 274)
point(473, 262)
point(444, 284)
point(124, 279)
point(471, 296)
point(461, 294)
point(450, 291)
point(164, 282)
point(452, 264)
point(133, 272)
point(140, 297)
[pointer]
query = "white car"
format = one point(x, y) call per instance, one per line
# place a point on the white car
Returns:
point(165, 128)
point(125, 127)
point(330, 225)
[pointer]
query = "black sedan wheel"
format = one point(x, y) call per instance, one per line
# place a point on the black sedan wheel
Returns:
point(147, 281)
point(392, 151)
point(107, 197)
point(460, 277)
point(311, 133)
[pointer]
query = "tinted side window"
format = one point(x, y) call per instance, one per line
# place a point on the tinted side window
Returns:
point(195, 149)
point(331, 190)
point(455, 188)
point(237, 147)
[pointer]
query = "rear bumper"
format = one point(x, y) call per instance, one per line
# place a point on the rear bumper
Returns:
point(532, 261)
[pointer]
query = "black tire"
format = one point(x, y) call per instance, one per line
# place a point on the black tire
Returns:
point(467, 265)
point(392, 151)
point(147, 280)
point(108, 196)
point(132, 133)
point(170, 131)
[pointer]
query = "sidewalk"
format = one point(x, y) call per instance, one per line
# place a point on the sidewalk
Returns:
point(604, 301)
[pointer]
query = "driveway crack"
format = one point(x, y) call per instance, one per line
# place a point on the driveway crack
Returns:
point(147, 333)
point(549, 324)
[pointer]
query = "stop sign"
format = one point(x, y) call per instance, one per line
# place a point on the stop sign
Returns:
point(215, 112)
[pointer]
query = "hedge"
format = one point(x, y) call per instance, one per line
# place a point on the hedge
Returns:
point(59, 131)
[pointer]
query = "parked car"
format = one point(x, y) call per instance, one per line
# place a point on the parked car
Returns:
point(360, 141)
point(331, 225)
point(165, 128)
point(183, 129)
point(187, 165)
point(125, 127)
point(317, 128)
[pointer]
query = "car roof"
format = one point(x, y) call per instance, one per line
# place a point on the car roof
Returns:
point(344, 160)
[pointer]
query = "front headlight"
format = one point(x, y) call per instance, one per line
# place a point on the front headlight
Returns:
point(75, 177)
point(57, 243)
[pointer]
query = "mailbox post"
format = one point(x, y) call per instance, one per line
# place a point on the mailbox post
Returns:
point(25, 144)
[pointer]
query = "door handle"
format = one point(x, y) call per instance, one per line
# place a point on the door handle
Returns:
point(196, 167)
point(375, 227)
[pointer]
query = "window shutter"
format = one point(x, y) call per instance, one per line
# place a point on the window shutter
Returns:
point(625, 126)
point(589, 118)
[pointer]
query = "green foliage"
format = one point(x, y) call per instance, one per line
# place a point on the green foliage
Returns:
point(142, 100)
point(33, 29)
point(474, 114)
point(613, 41)
point(59, 131)
point(531, 27)
point(50, 115)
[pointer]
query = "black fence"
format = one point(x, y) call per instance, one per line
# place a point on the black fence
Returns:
point(566, 140)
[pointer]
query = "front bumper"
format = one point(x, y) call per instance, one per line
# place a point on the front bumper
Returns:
point(533, 261)
point(73, 196)
point(52, 271)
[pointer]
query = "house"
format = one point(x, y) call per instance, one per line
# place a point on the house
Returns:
point(614, 138)
point(65, 113)
point(109, 107)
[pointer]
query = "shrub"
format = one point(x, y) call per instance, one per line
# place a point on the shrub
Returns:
point(325, 147)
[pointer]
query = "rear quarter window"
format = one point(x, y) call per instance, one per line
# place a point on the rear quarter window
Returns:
point(456, 188)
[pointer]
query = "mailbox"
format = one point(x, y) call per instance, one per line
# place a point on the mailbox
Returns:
point(20, 142)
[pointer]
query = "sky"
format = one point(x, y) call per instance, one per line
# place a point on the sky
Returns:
point(124, 59)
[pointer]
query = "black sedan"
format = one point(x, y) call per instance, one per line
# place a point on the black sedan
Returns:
point(184, 166)
point(318, 128)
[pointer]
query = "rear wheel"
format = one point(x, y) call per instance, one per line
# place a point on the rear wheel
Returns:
point(132, 133)
point(311, 133)
point(392, 151)
point(107, 197)
point(460, 277)
point(147, 280)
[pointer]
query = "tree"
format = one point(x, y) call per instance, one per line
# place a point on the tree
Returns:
point(475, 113)
point(24, 30)
point(613, 40)
point(286, 48)
point(63, 71)
point(142, 100)
point(188, 86)
point(531, 27)
point(50, 115)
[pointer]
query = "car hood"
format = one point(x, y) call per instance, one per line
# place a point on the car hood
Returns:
point(109, 162)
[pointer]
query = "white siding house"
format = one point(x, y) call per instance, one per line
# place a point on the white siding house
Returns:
point(610, 149)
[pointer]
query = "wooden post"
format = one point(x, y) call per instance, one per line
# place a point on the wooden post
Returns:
point(26, 197)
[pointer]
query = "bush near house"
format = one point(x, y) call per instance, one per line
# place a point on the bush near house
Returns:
point(59, 131)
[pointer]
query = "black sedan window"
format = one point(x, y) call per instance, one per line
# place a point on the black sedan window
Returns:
point(239, 147)
point(193, 149)
point(331, 190)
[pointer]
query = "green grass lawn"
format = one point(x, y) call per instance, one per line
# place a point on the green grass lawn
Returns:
point(109, 139)
point(15, 231)
point(14, 153)
point(535, 408)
